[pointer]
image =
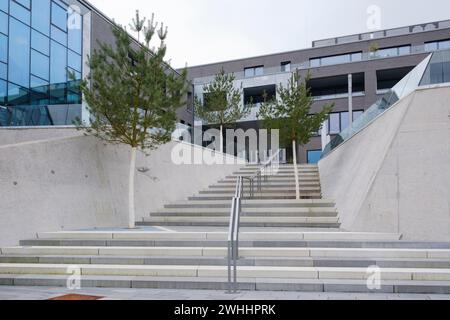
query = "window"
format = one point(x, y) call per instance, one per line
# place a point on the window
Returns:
point(40, 16)
point(3, 48)
point(3, 71)
point(4, 5)
point(19, 53)
point(3, 23)
point(254, 71)
point(59, 16)
point(339, 121)
point(58, 63)
point(59, 36)
point(74, 60)
point(338, 59)
point(286, 66)
point(20, 13)
point(391, 52)
point(39, 65)
point(40, 42)
point(314, 156)
point(437, 45)
point(2, 92)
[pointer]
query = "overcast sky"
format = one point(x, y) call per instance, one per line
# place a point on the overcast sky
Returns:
point(205, 31)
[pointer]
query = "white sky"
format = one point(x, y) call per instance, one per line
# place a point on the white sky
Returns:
point(205, 31)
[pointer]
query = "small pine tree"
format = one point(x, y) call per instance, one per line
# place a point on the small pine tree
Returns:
point(292, 115)
point(221, 103)
point(132, 95)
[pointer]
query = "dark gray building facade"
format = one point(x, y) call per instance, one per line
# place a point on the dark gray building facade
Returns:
point(376, 62)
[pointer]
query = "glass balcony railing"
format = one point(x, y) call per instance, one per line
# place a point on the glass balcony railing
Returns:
point(435, 69)
point(278, 70)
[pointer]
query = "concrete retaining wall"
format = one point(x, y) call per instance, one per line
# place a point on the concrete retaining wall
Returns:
point(79, 182)
point(394, 176)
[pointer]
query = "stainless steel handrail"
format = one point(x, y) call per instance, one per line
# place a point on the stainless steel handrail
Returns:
point(233, 236)
point(235, 221)
point(261, 171)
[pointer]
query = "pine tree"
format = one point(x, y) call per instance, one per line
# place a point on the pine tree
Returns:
point(221, 103)
point(132, 96)
point(291, 114)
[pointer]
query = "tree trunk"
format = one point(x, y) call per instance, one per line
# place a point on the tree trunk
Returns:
point(221, 138)
point(131, 208)
point(297, 184)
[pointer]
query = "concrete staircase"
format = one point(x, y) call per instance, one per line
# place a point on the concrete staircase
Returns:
point(286, 245)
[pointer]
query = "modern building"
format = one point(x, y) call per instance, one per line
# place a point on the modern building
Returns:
point(374, 62)
point(41, 43)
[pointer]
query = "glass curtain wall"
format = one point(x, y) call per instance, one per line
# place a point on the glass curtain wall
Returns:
point(40, 62)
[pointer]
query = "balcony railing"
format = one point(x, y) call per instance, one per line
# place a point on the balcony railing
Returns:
point(277, 71)
point(383, 33)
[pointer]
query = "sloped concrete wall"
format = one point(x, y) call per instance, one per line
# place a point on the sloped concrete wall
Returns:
point(79, 182)
point(394, 176)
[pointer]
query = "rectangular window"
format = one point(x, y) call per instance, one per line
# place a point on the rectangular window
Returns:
point(39, 65)
point(391, 52)
point(40, 16)
point(3, 70)
point(3, 48)
point(20, 13)
point(3, 23)
point(334, 125)
point(74, 61)
point(337, 59)
point(254, 71)
point(17, 95)
point(58, 63)
point(40, 42)
point(59, 36)
point(314, 156)
point(19, 53)
point(39, 91)
point(4, 5)
point(75, 33)
point(437, 45)
point(59, 16)
point(286, 66)
point(2, 92)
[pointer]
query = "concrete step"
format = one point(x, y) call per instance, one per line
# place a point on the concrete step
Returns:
point(278, 187)
point(258, 196)
point(244, 261)
point(220, 261)
point(315, 203)
point(302, 244)
point(222, 236)
point(249, 211)
point(273, 182)
point(245, 284)
point(258, 221)
point(312, 273)
point(226, 213)
point(244, 252)
point(262, 191)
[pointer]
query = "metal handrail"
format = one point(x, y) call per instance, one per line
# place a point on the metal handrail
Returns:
point(261, 171)
point(233, 236)
point(235, 222)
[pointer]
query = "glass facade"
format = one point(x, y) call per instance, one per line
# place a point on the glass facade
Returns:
point(40, 62)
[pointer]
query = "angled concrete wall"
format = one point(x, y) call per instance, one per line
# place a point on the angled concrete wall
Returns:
point(79, 182)
point(394, 176)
